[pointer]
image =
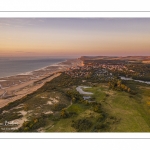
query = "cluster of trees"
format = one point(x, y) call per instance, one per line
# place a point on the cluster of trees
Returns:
point(33, 124)
point(66, 114)
point(140, 71)
point(100, 126)
point(143, 78)
point(118, 85)
point(74, 95)
point(61, 81)
point(104, 122)
point(82, 125)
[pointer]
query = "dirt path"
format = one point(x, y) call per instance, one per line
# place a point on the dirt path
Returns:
point(69, 105)
point(80, 90)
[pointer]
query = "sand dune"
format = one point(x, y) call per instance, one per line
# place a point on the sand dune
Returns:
point(24, 89)
point(15, 87)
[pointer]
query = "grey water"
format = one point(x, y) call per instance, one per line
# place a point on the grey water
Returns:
point(124, 78)
point(13, 66)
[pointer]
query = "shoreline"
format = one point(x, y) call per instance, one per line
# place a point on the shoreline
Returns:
point(36, 73)
point(28, 72)
point(18, 86)
point(24, 91)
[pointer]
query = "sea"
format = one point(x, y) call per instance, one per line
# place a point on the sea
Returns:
point(21, 65)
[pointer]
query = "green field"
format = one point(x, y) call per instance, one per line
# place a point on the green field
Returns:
point(132, 110)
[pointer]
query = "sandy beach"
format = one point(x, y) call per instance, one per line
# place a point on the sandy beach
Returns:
point(15, 87)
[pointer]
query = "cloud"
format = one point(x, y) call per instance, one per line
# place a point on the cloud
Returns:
point(4, 24)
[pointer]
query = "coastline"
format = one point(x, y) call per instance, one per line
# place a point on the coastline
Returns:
point(30, 72)
point(15, 87)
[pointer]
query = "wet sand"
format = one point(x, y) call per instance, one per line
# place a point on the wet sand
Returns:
point(15, 87)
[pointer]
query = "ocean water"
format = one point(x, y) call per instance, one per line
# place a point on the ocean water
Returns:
point(14, 66)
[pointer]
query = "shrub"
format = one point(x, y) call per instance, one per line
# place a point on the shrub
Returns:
point(82, 125)
point(33, 124)
point(58, 107)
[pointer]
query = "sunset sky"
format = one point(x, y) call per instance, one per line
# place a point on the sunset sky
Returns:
point(74, 36)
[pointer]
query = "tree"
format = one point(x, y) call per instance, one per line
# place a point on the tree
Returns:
point(129, 90)
point(97, 107)
point(64, 113)
point(119, 83)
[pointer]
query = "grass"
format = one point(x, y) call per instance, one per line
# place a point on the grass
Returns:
point(100, 92)
point(120, 111)
point(132, 111)
point(78, 108)
point(65, 125)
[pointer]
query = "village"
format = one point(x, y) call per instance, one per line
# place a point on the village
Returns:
point(95, 69)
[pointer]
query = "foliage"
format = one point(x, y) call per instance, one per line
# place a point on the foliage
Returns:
point(82, 125)
point(118, 85)
point(74, 95)
point(34, 124)
point(97, 107)
point(64, 113)
point(16, 103)
point(58, 106)
point(8, 117)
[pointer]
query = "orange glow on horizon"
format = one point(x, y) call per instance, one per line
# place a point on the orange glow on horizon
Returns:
point(26, 40)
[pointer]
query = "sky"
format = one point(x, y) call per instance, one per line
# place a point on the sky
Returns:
point(74, 36)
